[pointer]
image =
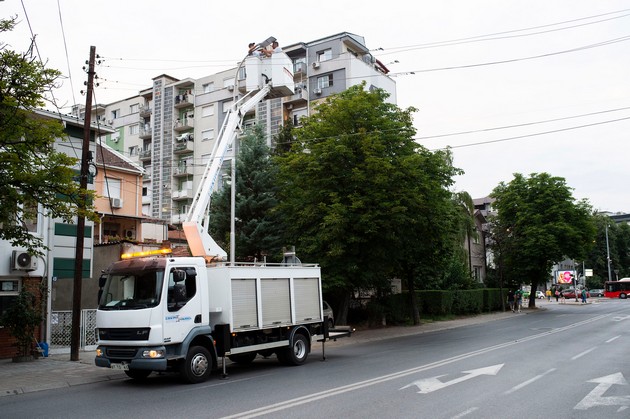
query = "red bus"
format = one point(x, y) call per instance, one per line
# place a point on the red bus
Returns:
point(617, 289)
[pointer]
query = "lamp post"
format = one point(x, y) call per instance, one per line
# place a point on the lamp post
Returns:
point(608, 254)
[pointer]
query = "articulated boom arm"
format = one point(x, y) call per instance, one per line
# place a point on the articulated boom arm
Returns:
point(196, 224)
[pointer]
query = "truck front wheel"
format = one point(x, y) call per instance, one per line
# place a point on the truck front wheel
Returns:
point(197, 366)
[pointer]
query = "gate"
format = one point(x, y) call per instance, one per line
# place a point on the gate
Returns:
point(61, 329)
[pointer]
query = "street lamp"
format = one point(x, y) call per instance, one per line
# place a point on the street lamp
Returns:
point(608, 254)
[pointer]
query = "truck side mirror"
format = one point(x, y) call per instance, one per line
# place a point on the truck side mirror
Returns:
point(101, 280)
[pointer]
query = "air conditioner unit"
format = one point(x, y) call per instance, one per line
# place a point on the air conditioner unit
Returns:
point(290, 106)
point(316, 64)
point(116, 202)
point(110, 122)
point(318, 91)
point(230, 87)
point(115, 140)
point(22, 261)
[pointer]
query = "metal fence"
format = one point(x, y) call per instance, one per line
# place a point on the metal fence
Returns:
point(61, 328)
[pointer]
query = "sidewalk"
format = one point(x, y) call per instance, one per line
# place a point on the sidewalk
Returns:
point(57, 371)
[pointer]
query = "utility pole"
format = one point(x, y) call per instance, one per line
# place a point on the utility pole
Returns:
point(75, 339)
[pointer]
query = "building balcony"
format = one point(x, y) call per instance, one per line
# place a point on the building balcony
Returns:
point(299, 69)
point(146, 176)
point(184, 124)
point(183, 147)
point(183, 171)
point(146, 199)
point(178, 218)
point(145, 154)
point(145, 111)
point(299, 98)
point(183, 194)
point(145, 133)
point(184, 100)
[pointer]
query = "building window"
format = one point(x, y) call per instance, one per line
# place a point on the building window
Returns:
point(228, 82)
point(112, 188)
point(115, 113)
point(9, 290)
point(207, 135)
point(133, 151)
point(325, 81)
point(325, 55)
point(145, 191)
point(134, 108)
point(227, 105)
point(207, 110)
point(208, 87)
point(134, 129)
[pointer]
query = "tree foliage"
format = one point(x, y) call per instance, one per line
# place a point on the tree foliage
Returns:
point(258, 229)
point(538, 223)
point(360, 196)
point(32, 172)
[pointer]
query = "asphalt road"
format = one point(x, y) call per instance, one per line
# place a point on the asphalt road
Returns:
point(568, 361)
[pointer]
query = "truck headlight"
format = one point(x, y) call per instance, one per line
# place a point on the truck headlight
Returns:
point(153, 353)
point(100, 352)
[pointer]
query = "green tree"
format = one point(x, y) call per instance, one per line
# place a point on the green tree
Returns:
point(541, 224)
point(258, 229)
point(355, 187)
point(32, 172)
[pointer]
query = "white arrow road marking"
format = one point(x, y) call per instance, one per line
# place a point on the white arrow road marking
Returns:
point(596, 396)
point(620, 318)
point(428, 385)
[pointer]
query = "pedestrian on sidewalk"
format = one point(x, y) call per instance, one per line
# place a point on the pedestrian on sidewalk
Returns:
point(562, 298)
point(510, 299)
point(548, 294)
point(557, 294)
point(583, 295)
point(518, 300)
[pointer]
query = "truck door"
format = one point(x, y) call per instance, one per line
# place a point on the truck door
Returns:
point(183, 304)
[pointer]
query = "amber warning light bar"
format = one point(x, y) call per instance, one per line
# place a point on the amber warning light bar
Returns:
point(158, 252)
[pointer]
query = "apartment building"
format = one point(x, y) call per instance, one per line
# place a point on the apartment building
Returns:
point(169, 128)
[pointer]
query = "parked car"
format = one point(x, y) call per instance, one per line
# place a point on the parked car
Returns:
point(328, 311)
point(570, 293)
point(596, 292)
point(540, 294)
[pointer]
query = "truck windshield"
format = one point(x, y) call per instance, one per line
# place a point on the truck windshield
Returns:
point(132, 291)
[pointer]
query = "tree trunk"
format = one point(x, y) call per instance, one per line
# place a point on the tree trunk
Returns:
point(413, 299)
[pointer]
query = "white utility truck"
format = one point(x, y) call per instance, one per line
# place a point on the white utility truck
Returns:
point(184, 314)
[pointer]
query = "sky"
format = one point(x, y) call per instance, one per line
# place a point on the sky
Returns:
point(512, 86)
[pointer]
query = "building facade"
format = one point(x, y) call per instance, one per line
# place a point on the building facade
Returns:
point(55, 267)
point(170, 128)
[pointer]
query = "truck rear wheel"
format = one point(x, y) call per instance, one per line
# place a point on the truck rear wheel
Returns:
point(138, 374)
point(197, 366)
point(295, 354)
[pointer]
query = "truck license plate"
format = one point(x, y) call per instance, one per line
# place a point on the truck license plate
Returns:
point(122, 367)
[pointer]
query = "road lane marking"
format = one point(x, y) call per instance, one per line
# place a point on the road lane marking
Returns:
point(429, 385)
point(583, 353)
point(596, 396)
point(528, 382)
point(613, 339)
point(464, 413)
point(309, 398)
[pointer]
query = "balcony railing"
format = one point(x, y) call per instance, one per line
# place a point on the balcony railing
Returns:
point(183, 194)
point(183, 124)
point(144, 111)
point(183, 147)
point(145, 154)
point(145, 133)
point(183, 171)
point(184, 100)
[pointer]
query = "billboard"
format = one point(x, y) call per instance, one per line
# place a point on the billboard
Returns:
point(565, 277)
